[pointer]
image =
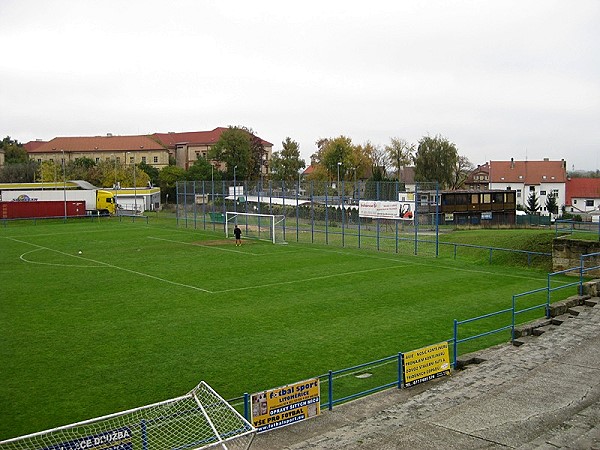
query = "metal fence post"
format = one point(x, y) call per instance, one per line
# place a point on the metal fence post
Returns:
point(455, 356)
point(400, 358)
point(246, 406)
point(330, 389)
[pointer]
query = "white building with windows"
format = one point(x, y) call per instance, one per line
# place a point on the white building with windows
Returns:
point(540, 178)
point(583, 196)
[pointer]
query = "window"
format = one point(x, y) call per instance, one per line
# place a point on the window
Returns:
point(531, 188)
point(542, 192)
point(474, 199)
point(97, 160)
point(118, 159)
point(143, 160)
point(487, 198)
point(131, 160)
point(555, 193)
point(39, 160)
point(155, 160)
point(589, 203)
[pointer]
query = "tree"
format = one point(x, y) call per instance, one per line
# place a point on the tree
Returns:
point(234, 148)
point(400, 153)
point(436, 160)
point(169, 176)
point(19, 172)
point(14, 153)
point(202, 169)
point(532, 204)
point(257, 157)
point(286, 163)
point(337, 150)
point(551, 205)
point(151, 171)
point(462, 170)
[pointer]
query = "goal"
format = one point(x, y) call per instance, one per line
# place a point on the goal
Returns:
point(199, 420)
point(268, 227)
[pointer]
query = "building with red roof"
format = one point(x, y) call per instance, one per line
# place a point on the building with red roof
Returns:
point(126, 149)
point(153, 150)
point(583, 195)
point(478, 179)
point(541, 178)
point(187, 147)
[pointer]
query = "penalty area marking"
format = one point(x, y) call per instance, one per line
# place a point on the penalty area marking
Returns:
point(112, 266)
point(213, 247)
point(304, 280)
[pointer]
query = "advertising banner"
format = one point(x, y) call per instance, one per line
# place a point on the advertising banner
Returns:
point(286, 405)
point(376, 209)
point(426, 364)
point(379, 209)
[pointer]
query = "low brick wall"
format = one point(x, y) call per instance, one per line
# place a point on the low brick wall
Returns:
point(566, 254)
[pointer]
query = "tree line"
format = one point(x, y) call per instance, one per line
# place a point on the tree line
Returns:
point(243, 155)
point(434, 158)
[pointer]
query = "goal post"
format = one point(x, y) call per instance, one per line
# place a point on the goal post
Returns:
point(268, 227)
point(198, 420)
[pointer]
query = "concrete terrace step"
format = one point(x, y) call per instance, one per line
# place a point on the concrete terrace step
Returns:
point(576, 310)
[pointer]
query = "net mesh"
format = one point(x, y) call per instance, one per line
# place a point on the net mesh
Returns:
point(256, 226)
point(199, 420)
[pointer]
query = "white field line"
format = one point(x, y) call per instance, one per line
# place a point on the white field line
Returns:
point(212, 247)
point(23, 258)
point(304, 280)
point(440, 266)
point(224, 249)
point(116, 267)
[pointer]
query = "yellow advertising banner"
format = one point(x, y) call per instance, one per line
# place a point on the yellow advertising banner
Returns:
point(286, 405)
point(426, 364)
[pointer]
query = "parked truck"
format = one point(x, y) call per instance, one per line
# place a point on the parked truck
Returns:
point(97, 201)
point(44, 208)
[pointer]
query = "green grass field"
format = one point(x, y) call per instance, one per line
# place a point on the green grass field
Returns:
point(147, 311)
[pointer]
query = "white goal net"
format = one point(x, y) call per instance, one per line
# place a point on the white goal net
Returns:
point(267, 227)
point(200, 419)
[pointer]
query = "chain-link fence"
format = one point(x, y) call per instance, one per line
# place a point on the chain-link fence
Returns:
point(321, 212)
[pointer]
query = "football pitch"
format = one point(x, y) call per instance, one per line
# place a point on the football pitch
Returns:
point(100, 317)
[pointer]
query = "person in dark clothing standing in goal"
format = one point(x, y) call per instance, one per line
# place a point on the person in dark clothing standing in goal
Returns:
point(238, 235)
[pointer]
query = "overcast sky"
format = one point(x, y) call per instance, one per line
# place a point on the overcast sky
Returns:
point(499, 78)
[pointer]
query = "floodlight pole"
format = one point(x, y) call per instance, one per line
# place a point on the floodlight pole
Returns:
point(234, 190)
point(338, 182)
point(64, 182)
point(134, 183)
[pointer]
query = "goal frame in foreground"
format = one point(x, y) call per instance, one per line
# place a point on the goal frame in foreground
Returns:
point(201, 419)
point(251, 225)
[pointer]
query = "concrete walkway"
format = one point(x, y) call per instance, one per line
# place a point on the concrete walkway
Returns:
point(544, 394)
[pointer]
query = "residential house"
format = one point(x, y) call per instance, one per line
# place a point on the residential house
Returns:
point(187, 147)
point(407, 176)
point(541, 178)
point(1, 157)
point(583, 195)
point(120, 149)
point(478, 179)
